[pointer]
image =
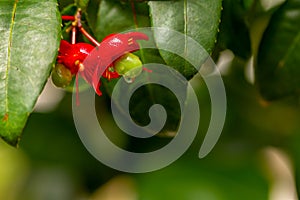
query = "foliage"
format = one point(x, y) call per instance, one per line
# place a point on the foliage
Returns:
point(262, 112)
point(27, 29)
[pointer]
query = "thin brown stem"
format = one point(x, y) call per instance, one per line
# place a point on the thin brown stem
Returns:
point(88, 36)
point(77, 24)
point(134, 14)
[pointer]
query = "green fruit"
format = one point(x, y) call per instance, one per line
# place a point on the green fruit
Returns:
point(61, 76)
point(128, 65)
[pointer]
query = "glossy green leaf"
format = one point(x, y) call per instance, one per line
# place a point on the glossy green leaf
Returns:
point(277, 68)
point(116, 17)
point(30, 33)
point(234, 33)
point(196, 18)
point(92, 10)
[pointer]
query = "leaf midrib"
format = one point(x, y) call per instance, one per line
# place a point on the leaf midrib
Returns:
point(9, 54)
point(185, 18)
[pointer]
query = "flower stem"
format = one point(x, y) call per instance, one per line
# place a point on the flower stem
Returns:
point(88, 36)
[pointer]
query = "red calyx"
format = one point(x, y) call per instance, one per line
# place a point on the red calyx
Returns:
point(72, 55)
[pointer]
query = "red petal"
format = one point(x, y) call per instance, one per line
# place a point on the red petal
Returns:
point(110, 35)
point(96, 82)
point(64, 47)
point(137, 35)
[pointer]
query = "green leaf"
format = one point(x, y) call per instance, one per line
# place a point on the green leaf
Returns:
point(195, 18)
point(234, 33)
point(114, 17)
point(30, 33)
point(277, 67)
point(64, 3)
point(92, 10)
point(71, 9)
point(82, 4)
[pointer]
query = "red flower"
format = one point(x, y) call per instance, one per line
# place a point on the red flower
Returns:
point(92, 62)
point(111, 48)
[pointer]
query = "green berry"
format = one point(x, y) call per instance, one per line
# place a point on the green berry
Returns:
point(128, 65)
point(61, 76)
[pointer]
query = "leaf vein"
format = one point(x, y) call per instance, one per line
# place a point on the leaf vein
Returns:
point(9, 54)
point(185, 15)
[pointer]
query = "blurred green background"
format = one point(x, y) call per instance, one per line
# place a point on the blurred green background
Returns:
point(256, 157)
